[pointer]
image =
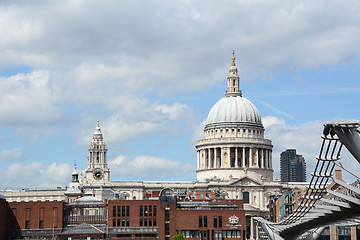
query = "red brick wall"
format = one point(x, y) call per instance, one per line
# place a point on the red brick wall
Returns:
point(51, 213)
point(189, 220)
point(3, 217)
point(179, 219)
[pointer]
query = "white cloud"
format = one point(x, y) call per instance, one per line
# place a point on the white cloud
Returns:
point(36, 175)
point(149, 167)
point(31, 134)
point(306, 139)
point(27, 99)
point(135, 118)
point(12, 154)
point(75, 39)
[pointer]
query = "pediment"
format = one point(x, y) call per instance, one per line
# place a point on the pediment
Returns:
point(245, 181)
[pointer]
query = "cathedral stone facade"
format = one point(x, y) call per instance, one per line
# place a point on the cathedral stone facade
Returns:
point(234, 160)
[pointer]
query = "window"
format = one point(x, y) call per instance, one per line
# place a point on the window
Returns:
point(118, 222)
point(190, 233)
point(141, 211)
point(141, 222)
point(114, 211)
point(123, 222)
point(200, 221)
point(123, 211)
point(150, 210)
point(205, 221)
point(41, 217)
point(114, 222)
point(154, 222)
point(246, 197)
point(118, 211)
point(150, 222)
point(127, 211)
point(41, 223)
point(27, 224)
point(127, 222)
point(145, 222)
point(231, 234)
point(220, 221)
point(145, 211)
point(215, 221)
point(154, 208)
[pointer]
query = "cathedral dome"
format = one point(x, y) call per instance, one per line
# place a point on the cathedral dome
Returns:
point(234, 109)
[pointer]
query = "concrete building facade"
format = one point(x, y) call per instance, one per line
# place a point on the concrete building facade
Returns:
point(292, 166)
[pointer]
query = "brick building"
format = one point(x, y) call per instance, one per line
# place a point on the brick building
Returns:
point(194, 215)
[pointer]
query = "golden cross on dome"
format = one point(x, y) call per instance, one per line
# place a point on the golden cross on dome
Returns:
point(75, 163)
point(97, 123)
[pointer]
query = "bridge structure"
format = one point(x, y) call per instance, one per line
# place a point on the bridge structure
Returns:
point(320, 206)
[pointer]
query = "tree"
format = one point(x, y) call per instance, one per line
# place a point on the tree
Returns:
point(178, 237)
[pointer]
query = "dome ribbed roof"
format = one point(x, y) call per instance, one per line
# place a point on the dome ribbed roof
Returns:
point(234, 109)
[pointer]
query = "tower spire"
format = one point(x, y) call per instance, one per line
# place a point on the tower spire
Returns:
point(233, 88)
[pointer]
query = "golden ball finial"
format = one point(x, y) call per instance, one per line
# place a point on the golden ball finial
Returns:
point(233, 58)
point(98, 125)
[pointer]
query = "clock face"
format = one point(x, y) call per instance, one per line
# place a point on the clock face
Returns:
point(98, 174)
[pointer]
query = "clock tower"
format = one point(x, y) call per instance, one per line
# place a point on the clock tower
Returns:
point(97, 172)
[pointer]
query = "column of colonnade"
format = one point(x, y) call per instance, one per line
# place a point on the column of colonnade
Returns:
point(212, 160)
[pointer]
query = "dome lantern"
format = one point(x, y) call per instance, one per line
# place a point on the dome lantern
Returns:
point(233, 88)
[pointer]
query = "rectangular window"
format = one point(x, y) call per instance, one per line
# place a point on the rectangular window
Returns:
point(123, 211)
point(145, 222)
point(27, 224)
point(150, 222)
point(220, 221)
point(114, 211)
point(41, 223)
point(154, 222)
point(205, 221)
point(145, 211)
point(118, 211)
point(150, 211)
point(127, 211)
point(141, 211)
point(123, 222)
point(246, 197)
point(127, 222)
point(141, 222)
point(114, 222)
point(154, 213)
point(215, 221)
point(200, 221)
point(118, 222)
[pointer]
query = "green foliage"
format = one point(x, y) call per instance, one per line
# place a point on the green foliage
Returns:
point(178, 237)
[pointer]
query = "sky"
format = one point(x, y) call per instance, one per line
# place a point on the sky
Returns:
point(150, 71)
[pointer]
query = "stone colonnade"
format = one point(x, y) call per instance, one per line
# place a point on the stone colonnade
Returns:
point(217, 157)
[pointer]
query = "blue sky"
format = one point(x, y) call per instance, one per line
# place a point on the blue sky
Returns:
point(150, 71)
